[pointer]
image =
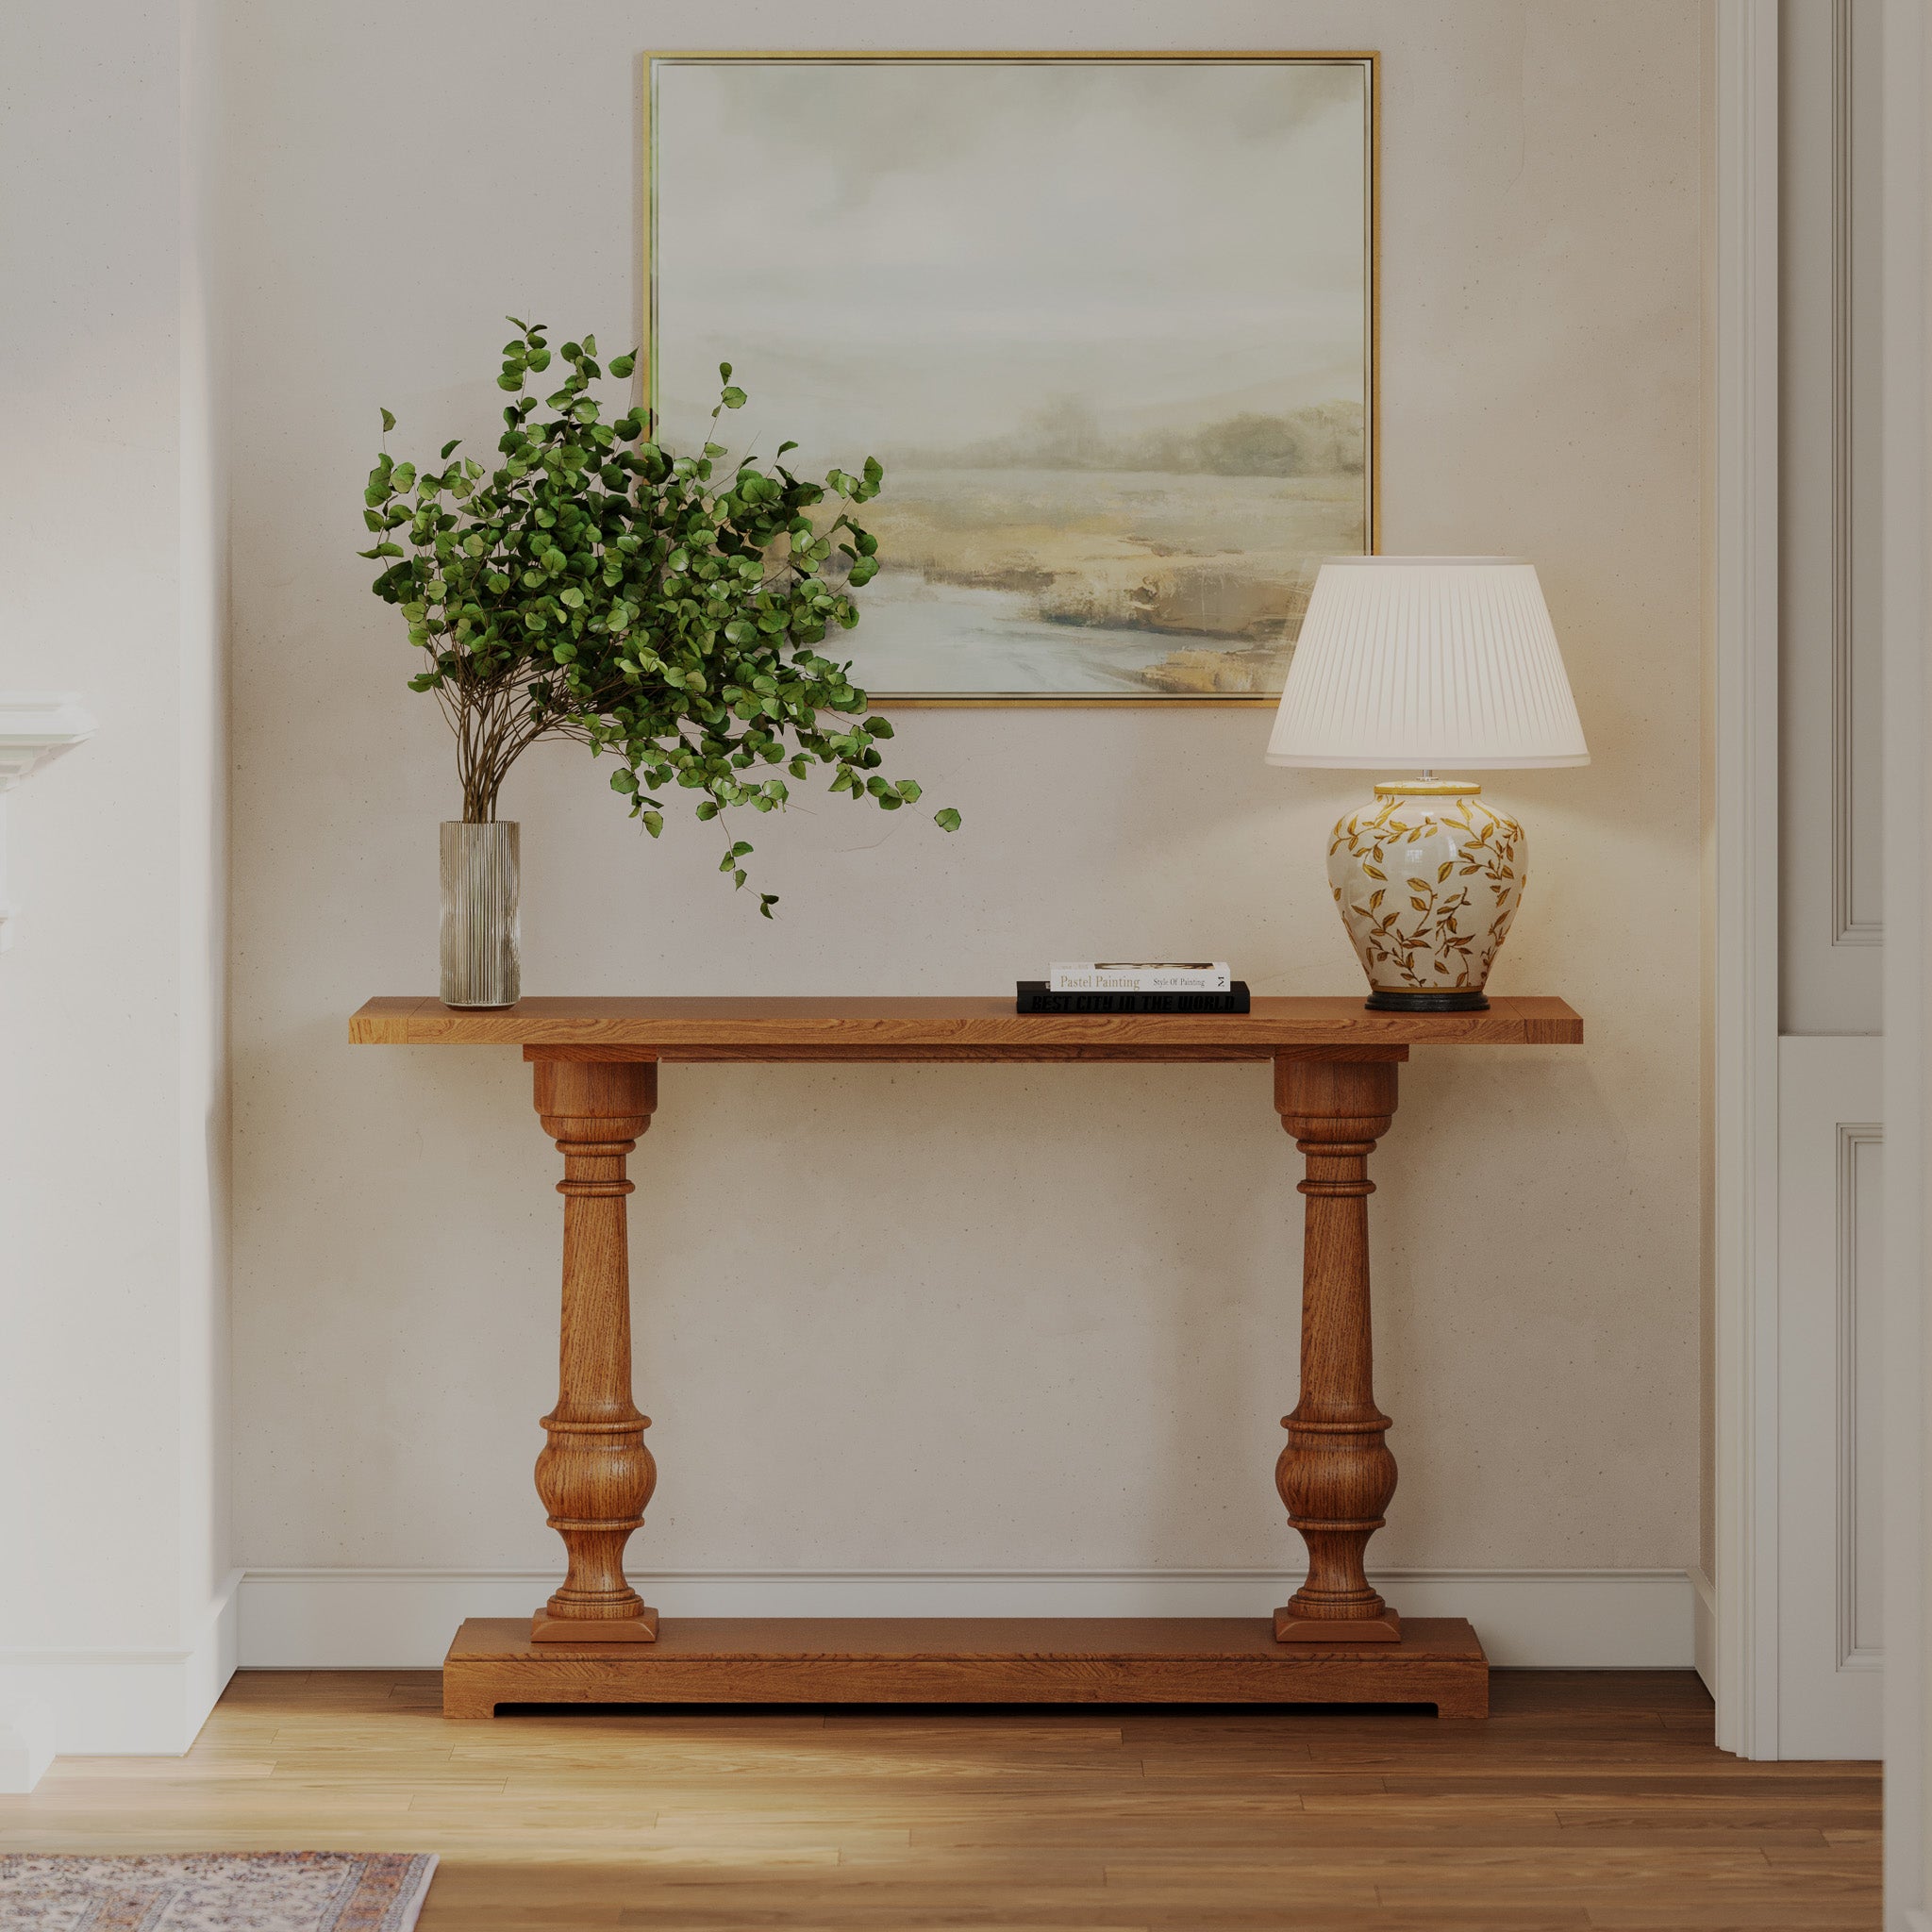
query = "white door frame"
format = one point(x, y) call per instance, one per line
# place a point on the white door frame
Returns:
point(1905, 605)
point(1743, 867)
point(1742, 884)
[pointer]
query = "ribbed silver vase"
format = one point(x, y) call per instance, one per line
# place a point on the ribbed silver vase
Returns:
point(480, 934)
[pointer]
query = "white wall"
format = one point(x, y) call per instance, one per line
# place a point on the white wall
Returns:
point(898, 1320)
point(114, 1590)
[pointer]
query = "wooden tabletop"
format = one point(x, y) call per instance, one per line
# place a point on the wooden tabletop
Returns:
point(948, 1029)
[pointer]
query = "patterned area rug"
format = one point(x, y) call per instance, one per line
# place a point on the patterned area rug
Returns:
point(213, 1892)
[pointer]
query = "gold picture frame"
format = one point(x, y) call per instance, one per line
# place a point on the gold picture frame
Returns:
point(1085, 637)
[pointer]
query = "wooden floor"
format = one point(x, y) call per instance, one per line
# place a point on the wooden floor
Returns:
point(1587, 1800)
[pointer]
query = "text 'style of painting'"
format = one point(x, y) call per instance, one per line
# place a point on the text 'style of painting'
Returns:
point(1108, 324)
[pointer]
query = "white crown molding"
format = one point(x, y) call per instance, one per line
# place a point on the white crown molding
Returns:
point(404, 1619)
point(36, 727)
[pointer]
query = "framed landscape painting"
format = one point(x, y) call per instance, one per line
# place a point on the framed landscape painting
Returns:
point(1109, 322)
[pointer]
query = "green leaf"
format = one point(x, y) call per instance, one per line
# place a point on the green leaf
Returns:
point(947, 821)
point(388, 422)
point(591, 582)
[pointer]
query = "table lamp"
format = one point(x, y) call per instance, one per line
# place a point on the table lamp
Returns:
point(1447, 664)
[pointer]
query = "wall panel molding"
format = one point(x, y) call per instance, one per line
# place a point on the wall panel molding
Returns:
point(1856, 1286)
point(1855, 919)
point(1831, 1157)
point(1831, 871)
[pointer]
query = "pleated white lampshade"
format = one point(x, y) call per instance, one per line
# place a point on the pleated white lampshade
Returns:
point(1448, 663)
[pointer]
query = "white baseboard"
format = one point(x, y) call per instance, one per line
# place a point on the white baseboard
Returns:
point(1703, 1614)
point(131, 1703)
point(27, 1743)
point(404, 1619)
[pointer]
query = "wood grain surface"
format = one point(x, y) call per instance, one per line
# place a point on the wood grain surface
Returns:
point(947, 1029)
point(1587, 1800)
point(965, 1660)
point(1335, 1472)
point(595, 1473)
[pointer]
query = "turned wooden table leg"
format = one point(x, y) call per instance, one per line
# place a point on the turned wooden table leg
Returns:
point(1336, 1474)
point(595, 1475)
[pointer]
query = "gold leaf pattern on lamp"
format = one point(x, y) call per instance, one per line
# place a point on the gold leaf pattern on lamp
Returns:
point(1461, 868)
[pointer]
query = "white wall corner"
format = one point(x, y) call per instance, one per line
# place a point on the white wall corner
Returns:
point(135, 1703)
point(35, 728)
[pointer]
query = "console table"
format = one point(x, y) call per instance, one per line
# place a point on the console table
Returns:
point(595, 1065)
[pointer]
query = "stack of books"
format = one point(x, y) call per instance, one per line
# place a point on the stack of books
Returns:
point(1131, 986)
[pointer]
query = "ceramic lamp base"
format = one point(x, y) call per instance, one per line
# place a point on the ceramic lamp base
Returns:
point(1427, 880)
point(1427, 1002)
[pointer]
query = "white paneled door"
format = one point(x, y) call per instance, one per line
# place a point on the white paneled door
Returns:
point(1818, 1681)
point(1830, 1148)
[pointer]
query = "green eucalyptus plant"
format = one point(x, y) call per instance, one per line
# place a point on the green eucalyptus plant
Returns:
point(667, 610)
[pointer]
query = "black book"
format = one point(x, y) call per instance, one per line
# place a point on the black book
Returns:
point(1035, 998)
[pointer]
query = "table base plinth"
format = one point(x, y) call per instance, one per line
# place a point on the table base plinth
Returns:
point(1292, 1628)
point(1437, 1660)
point(549, 1631)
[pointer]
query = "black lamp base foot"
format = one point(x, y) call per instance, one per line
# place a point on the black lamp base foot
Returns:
point(1379, 1002)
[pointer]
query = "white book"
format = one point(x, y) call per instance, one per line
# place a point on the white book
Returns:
point(1139, 975)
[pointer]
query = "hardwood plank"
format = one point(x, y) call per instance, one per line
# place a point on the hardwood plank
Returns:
point(933, 1028)
point(922, 1818)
